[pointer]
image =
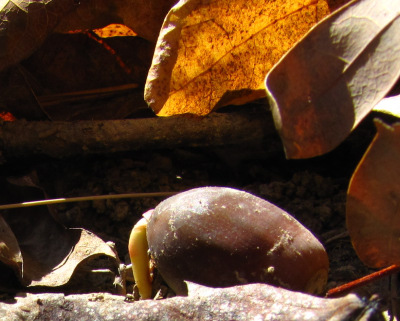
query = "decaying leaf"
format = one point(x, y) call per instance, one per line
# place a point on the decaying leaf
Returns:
point(16, 96)
point(10, 253)
point(24, 25)
point(42, 251)
point(373, 201)
point(330, 80)
point(242, 303)
point(212, 53)
point(87, 247)
point(144, 17)
point(79, 76)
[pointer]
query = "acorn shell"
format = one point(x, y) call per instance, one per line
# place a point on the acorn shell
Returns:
point(217, 236)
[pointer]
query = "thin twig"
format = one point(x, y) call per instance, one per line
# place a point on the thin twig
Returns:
point(85, 198)
point(49, 100)
point(345, 288)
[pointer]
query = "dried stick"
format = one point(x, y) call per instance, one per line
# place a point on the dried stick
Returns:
point(60, 139)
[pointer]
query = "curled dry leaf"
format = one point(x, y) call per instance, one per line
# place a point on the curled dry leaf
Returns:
point(24, 25)
point(373, 200)
point(51, 253)
point(331, 79)
point(218, 52)
point(87, 247)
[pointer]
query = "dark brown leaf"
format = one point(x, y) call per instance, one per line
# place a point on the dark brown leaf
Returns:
point(144, 17)
point(50, 252)
point(331, 79)
point(24, 25)
point(79, 76)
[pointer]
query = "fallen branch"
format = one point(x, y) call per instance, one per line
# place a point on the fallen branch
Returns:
point(60, 139)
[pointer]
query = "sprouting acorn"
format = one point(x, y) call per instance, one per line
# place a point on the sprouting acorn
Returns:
point(219, 237)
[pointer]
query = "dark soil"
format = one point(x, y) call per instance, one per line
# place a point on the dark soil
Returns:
point(313, 190)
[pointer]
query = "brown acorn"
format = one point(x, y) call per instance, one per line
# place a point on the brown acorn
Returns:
point(221, 237)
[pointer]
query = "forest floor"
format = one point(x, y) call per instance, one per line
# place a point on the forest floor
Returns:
point(312, 190)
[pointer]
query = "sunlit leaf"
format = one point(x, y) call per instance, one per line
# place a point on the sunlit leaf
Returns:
point(212, 53)
point(6, 116)
point(114, 30)
point(373, 201)
point(331, 80)
point(389, 105)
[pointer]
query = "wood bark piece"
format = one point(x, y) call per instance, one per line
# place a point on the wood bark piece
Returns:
point(60, 139)
point(247, 302)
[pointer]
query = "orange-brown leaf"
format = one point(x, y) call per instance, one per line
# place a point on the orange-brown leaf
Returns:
point(114, 30)
point(212, 53)
point(373, 201)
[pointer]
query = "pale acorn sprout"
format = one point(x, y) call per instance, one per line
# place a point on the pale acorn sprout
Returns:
point(219, 237)
point(138, 253)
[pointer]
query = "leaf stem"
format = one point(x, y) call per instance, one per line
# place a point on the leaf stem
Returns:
point(85, 198)
point(343, 289)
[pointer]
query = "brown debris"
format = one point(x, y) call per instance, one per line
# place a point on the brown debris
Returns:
point(248, 302)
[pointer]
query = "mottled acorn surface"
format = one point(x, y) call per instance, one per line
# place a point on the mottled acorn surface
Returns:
point(218, 236)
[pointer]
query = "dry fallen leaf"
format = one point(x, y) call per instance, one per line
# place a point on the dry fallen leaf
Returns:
point(331, 80)
point(214, 53)
point(144, 17)
point(373, 200)
point(88, 246)
point(79, 76)
point(51, 253)
point(114, 30)
point(24, 25)
point(242, 303)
